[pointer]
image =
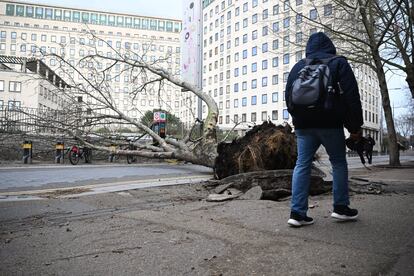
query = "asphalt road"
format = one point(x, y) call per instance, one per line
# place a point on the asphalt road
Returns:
point(32, 177)
point(37, 177)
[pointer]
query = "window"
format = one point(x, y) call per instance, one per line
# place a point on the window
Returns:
point(285, 114)
point(3, 34)
point(10, 9)
point(245, 23)
point(286, 5)
point(275, 44)
point(244, 70)
point(299, 37)
point(254, 3)
point(244, 101)
point(264, 115)
point(264, 81)
point(236, 87)
point(15, 86)
point(264, 64)
point(245, 38)
point(254, 100)
point(264, 98)
point(254, 67)
point(286, 40)
point(236, 72)
point(265, 14)
point(254, 51)
point(1, 85)
point(254, 83)
point(286, 22)
point(264, 31)
point(327, 9)
point(313, 14)
point(275, 9)
point(245, 7)
point(264, 47)
point(275, 62)
point(274, 115)
point(236, 118)
point(253, 117)
point(244, 54)
point(299, 18)
point(275, 27)
point(286, 59)
point(244, 117)
point(275, 79)
point(14, 104)
point(236, 103)
point(275, 97)
point(34, 37)
point(254, 18)
point(298, 55)
point(39, 12)
point(244, 86)
point(285, 76)
point(254, 35)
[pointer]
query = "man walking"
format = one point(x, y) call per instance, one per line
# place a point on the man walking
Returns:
point(322, 123)
point(369, 148)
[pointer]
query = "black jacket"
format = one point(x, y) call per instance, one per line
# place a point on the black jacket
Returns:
point(348, 110)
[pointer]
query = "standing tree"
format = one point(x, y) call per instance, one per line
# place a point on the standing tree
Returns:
point(362, 33)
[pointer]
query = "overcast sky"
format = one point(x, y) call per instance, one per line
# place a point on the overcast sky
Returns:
point(159, 8)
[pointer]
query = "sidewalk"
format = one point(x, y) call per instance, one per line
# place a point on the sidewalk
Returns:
point(174, 231)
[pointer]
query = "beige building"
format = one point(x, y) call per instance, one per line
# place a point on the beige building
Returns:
point(32, 85)
point(29, 29)
point(29, 91)
point(249, 47)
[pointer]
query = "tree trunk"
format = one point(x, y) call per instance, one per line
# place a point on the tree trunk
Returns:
point(410, 79)
point(392, 136)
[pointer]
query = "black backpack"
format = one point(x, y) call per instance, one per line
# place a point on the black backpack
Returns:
point(312, 90)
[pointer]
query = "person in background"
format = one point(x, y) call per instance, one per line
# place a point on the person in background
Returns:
point(369, 148)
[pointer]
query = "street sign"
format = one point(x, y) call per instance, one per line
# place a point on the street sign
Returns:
point(160, 117)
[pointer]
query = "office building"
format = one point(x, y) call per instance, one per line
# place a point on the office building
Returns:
point(30, 29)
point(249, 47)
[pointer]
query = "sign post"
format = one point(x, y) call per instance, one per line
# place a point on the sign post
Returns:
point(160, 121)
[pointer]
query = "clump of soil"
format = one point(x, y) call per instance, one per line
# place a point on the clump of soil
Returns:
point(265, 147)
point(64, 192)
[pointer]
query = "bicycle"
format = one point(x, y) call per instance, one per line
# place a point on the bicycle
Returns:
point(75, 153)
point(129, 158)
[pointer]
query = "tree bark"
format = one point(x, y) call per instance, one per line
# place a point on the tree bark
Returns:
point(394, 154)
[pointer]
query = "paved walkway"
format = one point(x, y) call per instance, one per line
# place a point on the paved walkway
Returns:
point(174, 231)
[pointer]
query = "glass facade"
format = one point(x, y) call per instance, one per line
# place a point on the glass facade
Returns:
point(93, 18)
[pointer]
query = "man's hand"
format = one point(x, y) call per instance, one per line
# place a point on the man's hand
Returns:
point(356, 136)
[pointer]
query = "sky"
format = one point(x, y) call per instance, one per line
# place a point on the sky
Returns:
point(159, 8)
point(173, 9)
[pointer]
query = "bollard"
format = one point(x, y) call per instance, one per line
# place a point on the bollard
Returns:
point(59, 157)
point(27, 152)
point(112, 154)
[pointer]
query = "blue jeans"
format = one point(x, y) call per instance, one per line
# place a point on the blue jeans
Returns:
point(308, 142)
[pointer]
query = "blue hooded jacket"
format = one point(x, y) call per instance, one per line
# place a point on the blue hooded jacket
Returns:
point(348, 110)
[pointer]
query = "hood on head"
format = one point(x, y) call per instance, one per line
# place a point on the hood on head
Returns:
point(320, 43)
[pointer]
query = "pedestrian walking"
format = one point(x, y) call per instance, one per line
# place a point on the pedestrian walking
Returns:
point(322, 96)
point(369, 148)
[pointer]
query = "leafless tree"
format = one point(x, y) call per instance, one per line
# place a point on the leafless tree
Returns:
point(93, 109)
point(361, 33)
